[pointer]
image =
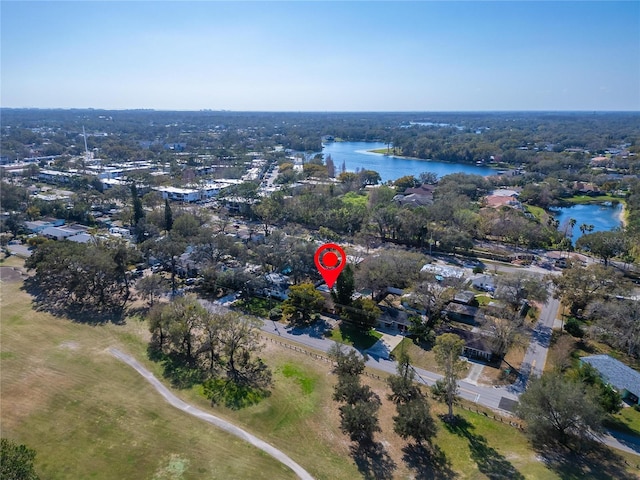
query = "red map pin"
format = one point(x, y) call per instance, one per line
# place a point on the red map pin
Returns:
point(328, 263)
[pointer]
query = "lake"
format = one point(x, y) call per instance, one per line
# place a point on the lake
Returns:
point(355, 155)
point(602, 216)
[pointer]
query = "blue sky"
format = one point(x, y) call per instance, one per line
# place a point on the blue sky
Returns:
point(321, 56)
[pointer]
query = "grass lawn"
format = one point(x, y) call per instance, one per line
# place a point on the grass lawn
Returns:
point(484, 299)
point(589, 199)
point(355, 337)
point(421, 357)
point(87, 415)
point(90, 416)
point(385, 151)
point(537, 212)
point(484, 448)
point(626, 421)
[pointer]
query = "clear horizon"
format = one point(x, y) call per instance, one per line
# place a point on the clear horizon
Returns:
point(322, 56)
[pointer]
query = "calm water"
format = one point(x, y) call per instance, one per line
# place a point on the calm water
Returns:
point(602, 217)
point(356, 156)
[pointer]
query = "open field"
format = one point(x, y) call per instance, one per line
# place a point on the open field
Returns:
point(90, 416)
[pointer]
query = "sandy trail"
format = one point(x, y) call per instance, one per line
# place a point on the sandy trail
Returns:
point(207, 417)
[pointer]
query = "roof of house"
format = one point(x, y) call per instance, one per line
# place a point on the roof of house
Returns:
point(500, 201)
point(504, 192)
point(424, 189)
point(464, 297)
point(81, 238)
point(615, 372)
point(413, 199)
point(461, 309)
point(472, 339)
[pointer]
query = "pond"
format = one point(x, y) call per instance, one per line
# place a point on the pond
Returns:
point(603, 217)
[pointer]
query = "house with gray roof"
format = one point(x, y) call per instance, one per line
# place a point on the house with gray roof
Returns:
point(624, 379)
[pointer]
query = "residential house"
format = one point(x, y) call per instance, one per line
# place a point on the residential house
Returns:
point(38, 225)
point(277, 286)
point(417, 196)
point(484, 282)
point(621, 377)
point(466, 297)
point(63, 232)
point(476, 345)
point(463, 313)
point(394, 319)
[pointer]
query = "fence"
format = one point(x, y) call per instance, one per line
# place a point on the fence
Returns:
point(317, 356)
point(491, 415)
point(498, 418)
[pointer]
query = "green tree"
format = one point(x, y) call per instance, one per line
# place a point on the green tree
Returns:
point(342, 294)
point(369, 177)
point(138, 211)
point(605, 245)
point(168, 216)
point(347, 362)
point(402, 183)
point(414, 420)
point(608, 398)
point(269, 210)
point(358, 415)
point(159, 328)
point(363, 312)
point(187, 226)
point(184, 317)
point(447, 350)
point(152, 287)
point(514, 288)
point(16, 461)
point(239, 340)
point(167, 250)
point(559, 409)
point(359, 420)
point(86, 276)
point(303, 300)
point(403, 386)
point(391, 268)
point(578, 285)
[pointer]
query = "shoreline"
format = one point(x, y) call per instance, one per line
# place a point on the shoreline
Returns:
point(374, 152)
point(622, 215)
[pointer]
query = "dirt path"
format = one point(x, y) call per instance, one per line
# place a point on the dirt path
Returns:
point(218, 422)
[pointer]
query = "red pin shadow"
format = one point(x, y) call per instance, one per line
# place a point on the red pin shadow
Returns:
point(328, 263)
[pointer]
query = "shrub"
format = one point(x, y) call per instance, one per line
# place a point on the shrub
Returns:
point(275, 313)
point(574, 327)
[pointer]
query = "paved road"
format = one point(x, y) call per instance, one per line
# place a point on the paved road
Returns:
point(314, 338)
point(207, 417)
point(490, 397)
point(487, 396)
point(535, 357)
